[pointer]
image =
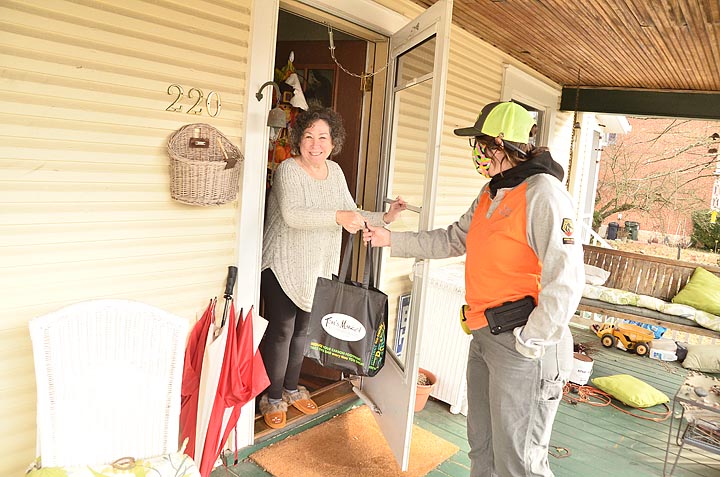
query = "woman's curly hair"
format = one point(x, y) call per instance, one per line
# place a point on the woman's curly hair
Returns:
point(307, 118)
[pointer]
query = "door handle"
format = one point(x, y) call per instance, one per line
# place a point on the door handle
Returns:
point(414, 208)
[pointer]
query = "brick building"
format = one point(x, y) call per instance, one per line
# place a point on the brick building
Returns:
point(666, 164)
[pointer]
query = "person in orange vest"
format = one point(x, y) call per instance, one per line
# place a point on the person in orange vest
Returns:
point(523, 280)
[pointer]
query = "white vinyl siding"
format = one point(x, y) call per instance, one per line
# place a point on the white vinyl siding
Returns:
point(85, 208)
point(474, 79)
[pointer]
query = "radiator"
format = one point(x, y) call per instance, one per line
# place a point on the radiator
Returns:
point(444, 346)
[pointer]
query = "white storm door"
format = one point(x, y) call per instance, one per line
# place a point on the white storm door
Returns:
point(412, 128)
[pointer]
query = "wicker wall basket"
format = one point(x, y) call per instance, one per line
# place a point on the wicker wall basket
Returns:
point(204, 166)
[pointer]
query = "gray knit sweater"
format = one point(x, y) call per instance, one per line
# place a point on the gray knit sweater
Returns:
point(301, 237)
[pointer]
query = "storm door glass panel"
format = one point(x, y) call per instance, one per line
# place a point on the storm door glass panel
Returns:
point(416, 63)
point(407, 179)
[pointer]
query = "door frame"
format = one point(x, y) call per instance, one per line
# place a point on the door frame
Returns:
point(251, 200)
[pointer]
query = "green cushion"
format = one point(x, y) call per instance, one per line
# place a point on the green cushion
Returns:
point(630, 390)
point(702, 292)
point(705, 358)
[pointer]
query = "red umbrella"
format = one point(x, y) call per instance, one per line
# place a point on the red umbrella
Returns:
point(242, 378)
point(194, 352)
point(250, 371)
point(222, 373)
point(203, 357)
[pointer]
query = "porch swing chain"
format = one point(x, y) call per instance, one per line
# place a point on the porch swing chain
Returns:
point(363, 76)
point(575, 127)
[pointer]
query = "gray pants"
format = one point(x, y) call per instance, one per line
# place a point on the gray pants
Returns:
point(512, 402)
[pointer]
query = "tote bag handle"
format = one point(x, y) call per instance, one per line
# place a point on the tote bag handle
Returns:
point(368, 276)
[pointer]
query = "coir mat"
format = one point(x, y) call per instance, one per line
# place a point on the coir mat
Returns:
point(350, 445)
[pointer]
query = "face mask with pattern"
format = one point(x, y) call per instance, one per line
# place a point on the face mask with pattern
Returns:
point(481, 155)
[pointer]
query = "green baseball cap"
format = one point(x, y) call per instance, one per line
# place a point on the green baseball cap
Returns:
point(507, 118)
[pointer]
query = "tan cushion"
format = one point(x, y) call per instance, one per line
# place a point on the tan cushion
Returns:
point(704, 358)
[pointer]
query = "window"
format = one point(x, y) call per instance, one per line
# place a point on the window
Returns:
point(537, 116)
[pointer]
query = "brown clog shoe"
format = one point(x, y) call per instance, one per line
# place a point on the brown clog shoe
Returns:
point(300, 400)
point(274, 415)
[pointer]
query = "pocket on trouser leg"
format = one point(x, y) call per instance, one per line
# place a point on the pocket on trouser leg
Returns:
point(551, 391)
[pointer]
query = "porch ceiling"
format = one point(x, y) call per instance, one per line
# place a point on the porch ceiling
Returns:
point(659, 45)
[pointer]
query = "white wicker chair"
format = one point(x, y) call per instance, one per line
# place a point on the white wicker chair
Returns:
point(109, 374)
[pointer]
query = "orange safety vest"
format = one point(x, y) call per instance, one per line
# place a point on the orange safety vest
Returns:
point(500, 264)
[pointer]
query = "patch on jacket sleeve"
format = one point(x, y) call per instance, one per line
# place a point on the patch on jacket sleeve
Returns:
point(568, 229)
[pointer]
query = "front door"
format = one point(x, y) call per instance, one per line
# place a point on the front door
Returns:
point(413, 127)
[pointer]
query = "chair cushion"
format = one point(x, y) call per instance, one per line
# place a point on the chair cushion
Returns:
point(702, 292)
point(175, 464)
point(630, 390)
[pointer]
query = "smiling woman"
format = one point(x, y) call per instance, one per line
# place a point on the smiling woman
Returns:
point(316, 137)
point(308, 208)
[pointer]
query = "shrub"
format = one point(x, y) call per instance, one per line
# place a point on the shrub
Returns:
point(705, 234)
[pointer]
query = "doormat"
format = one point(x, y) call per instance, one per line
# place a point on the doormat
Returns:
point(350, 445)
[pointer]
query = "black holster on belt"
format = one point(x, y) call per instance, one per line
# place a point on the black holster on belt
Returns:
point(509, 315)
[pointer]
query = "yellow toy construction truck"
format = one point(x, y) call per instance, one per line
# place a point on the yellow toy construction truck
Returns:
point(634, 338)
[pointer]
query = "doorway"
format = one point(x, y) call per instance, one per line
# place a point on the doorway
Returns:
point(323, 82)
point(302, 45)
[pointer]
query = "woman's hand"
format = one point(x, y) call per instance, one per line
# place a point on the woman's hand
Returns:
point(377, 236)
point(395, 208)
point(350, 220)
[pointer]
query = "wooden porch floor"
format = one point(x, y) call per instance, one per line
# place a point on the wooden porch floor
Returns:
point(602, 440)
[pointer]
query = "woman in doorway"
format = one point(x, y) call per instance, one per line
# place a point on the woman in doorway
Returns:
point(308, 207)
point(518, 237)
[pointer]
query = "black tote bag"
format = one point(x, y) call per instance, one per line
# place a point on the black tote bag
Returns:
point(348, 321)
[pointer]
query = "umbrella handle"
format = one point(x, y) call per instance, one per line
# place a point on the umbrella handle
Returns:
point(230, 283)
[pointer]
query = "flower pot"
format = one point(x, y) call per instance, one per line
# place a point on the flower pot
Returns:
point(423, 390)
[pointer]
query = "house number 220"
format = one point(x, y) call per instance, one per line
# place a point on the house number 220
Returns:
point(212, 101)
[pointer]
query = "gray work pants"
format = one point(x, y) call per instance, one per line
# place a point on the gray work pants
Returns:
point(512, 402)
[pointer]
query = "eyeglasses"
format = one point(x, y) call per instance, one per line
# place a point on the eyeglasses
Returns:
point(485, 149)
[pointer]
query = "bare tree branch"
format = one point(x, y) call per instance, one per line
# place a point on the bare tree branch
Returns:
point(657, 172)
